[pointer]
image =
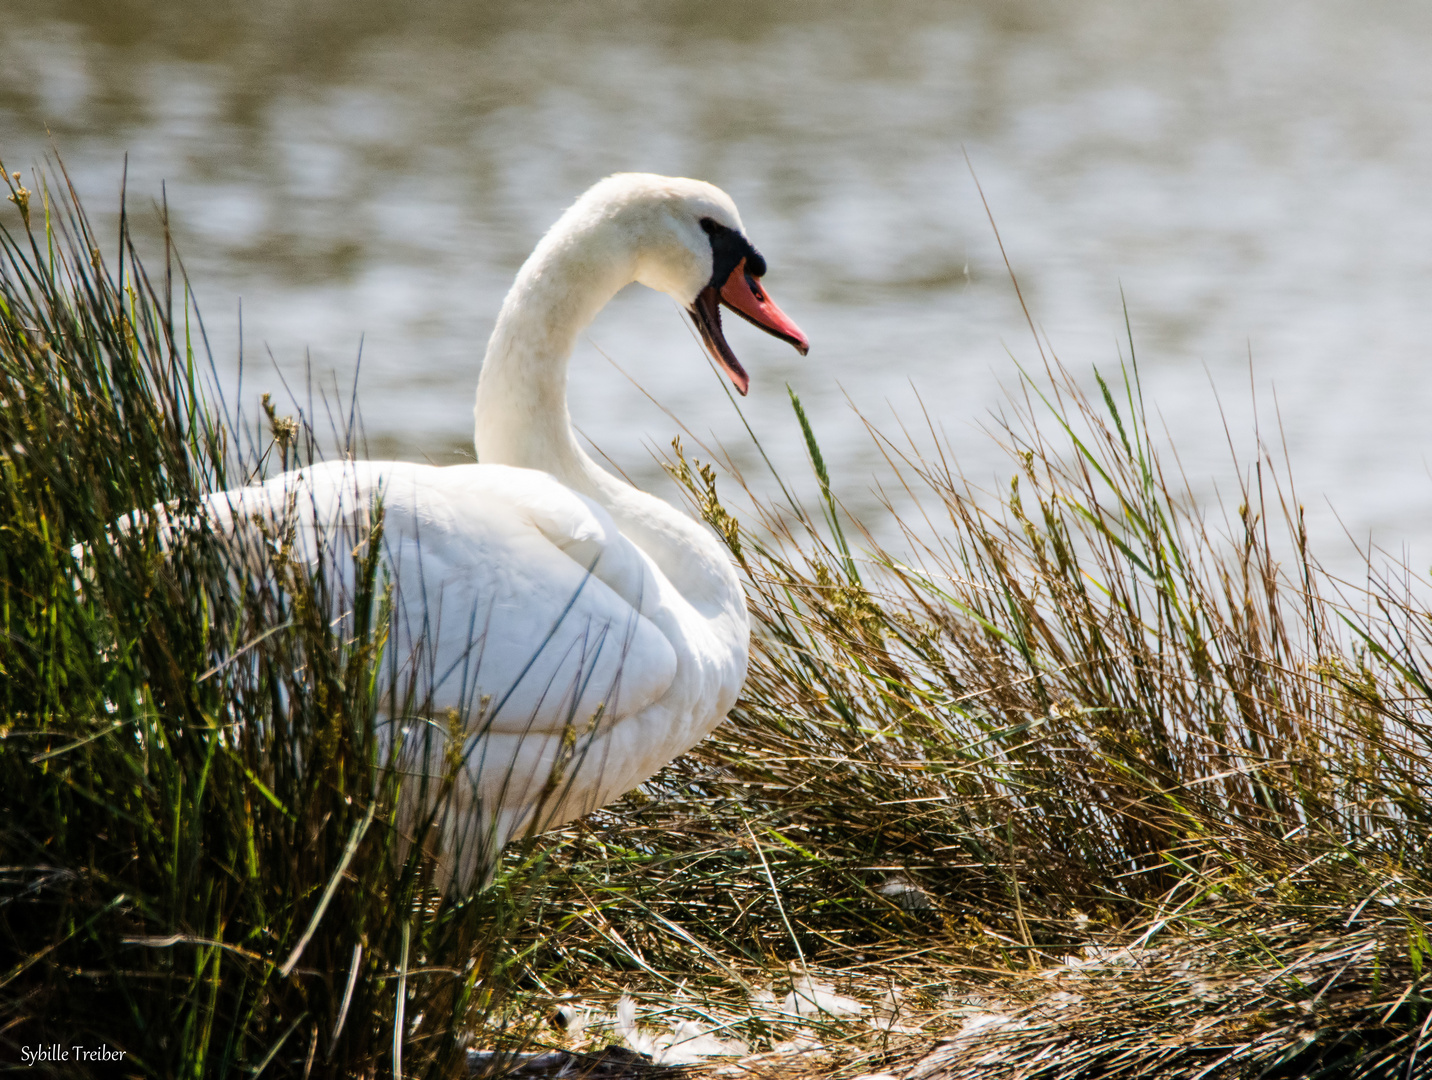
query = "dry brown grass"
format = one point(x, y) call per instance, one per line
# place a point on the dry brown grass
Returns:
point(1078, 719)
point(1079, 783)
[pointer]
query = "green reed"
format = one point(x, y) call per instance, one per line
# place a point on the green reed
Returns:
point(199, 850)
point(1076, 713)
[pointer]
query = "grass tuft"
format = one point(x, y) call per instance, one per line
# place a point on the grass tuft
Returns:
point(1122, 790)
point(200, 859)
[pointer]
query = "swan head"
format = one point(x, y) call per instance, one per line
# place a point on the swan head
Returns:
point(691, 245)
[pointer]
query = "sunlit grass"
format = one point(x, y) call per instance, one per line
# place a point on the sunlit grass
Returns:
point(199, 852)
point(1081, 764)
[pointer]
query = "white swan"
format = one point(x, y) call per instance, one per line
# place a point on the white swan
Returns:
point(581, 632)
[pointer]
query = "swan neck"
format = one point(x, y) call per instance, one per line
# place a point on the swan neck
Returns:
point(521, 410)
point(589, 255)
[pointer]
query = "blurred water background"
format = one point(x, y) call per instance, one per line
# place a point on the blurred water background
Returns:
point(1253, 174)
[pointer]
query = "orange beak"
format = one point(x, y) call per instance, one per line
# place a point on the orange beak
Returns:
point(742, 293)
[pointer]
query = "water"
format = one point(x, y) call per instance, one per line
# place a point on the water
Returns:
point(1252, 175)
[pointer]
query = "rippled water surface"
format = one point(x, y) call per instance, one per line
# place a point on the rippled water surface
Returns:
point(1253, 175)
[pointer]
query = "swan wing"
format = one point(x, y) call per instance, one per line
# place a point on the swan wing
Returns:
point(516, 601)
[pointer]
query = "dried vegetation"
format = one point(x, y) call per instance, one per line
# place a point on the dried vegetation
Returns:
point(1077, 783)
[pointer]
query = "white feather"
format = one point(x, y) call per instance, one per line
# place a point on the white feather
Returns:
point(605, 631)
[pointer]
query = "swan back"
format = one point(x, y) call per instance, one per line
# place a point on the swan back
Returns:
point(576, 667)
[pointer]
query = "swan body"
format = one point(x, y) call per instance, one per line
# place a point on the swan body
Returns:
point(580, 632)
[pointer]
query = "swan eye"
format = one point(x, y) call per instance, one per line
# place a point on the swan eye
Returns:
point(728, 248)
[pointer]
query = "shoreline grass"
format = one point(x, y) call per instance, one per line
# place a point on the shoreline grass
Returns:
point(1079, 785)
point(200, 853)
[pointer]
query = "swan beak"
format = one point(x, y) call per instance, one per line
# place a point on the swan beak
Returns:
point(742, 293)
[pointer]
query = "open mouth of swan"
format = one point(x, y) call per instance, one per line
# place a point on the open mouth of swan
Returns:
point(739, 288)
